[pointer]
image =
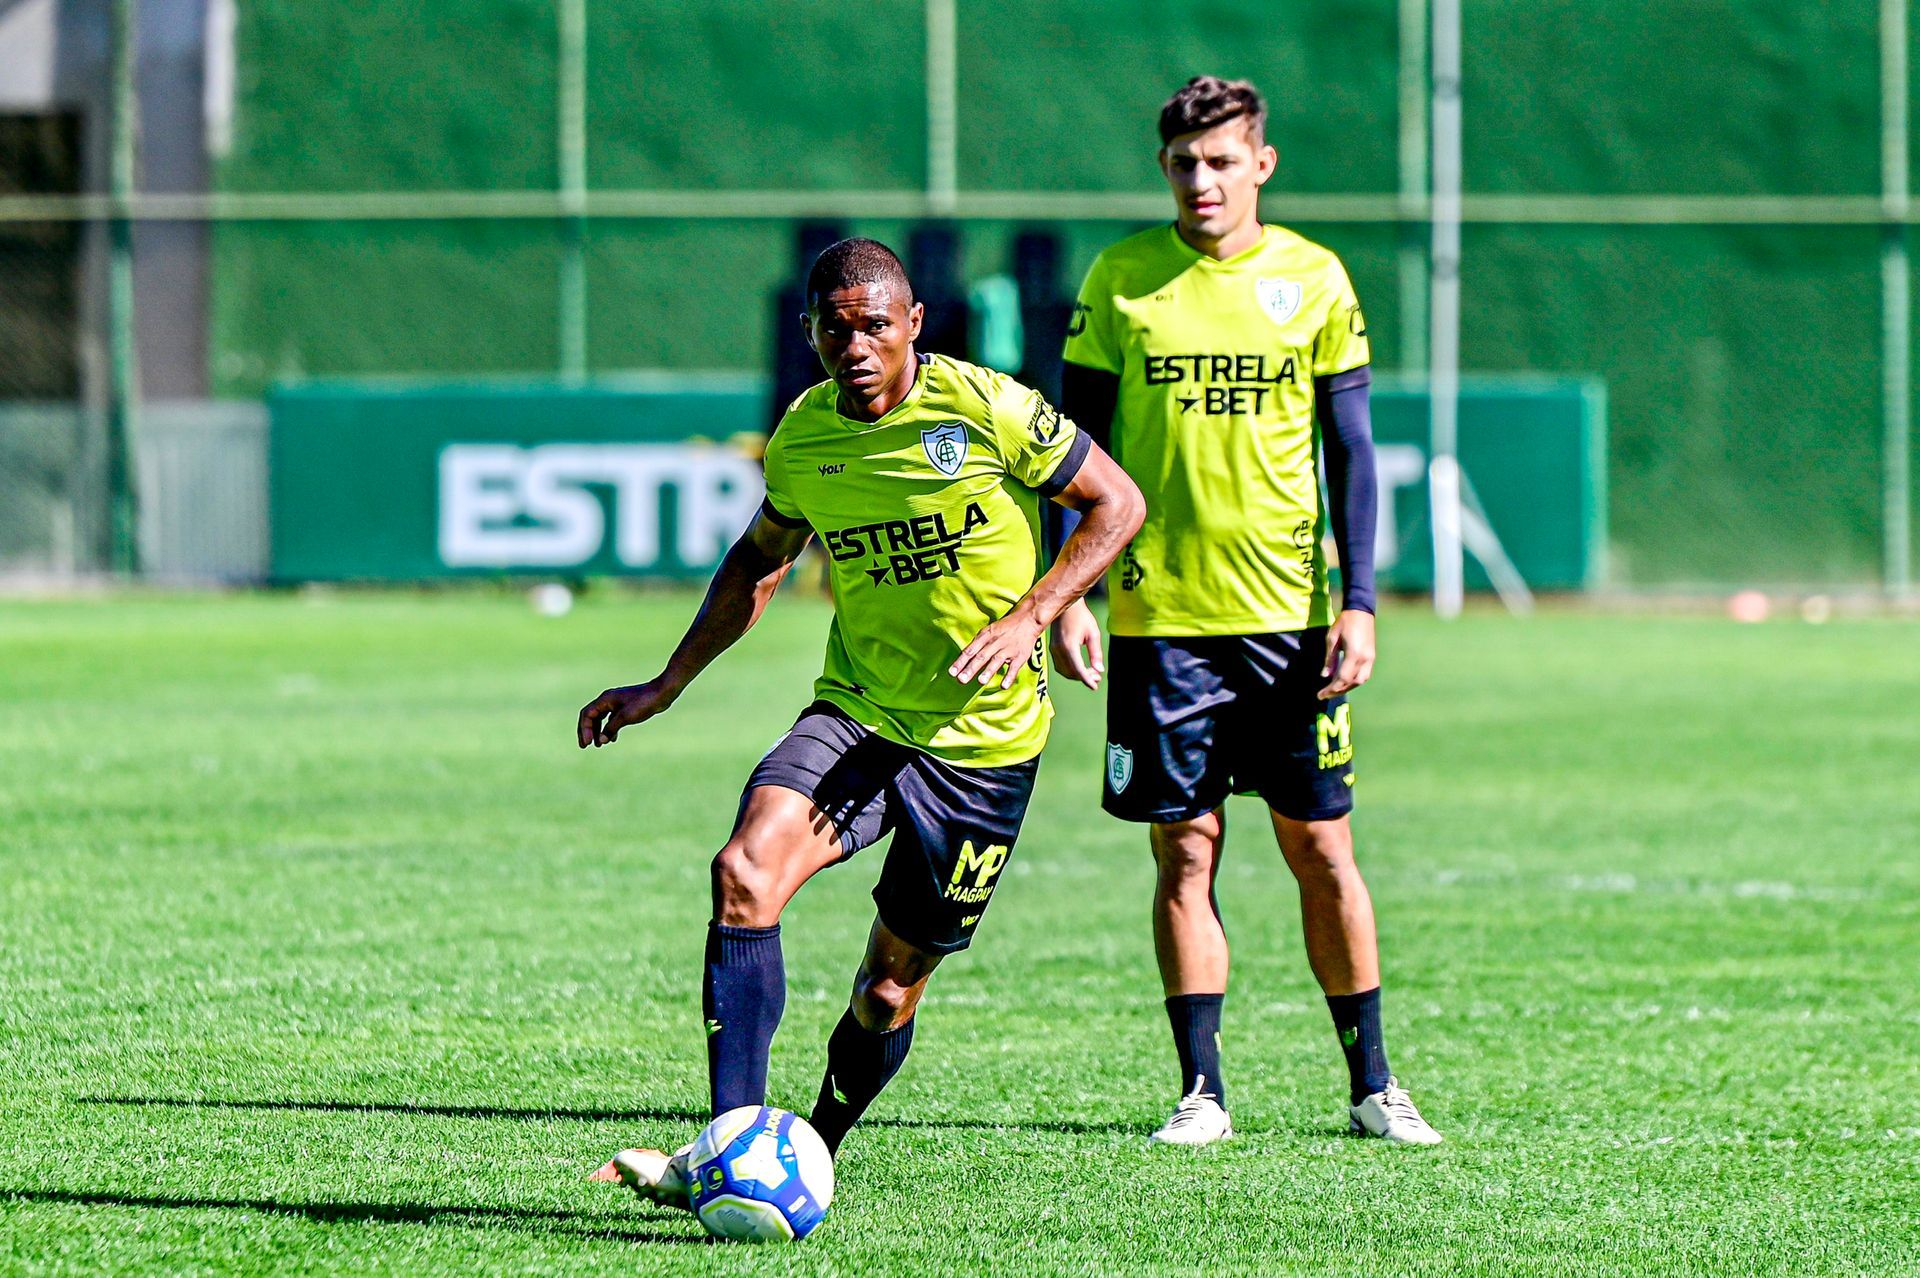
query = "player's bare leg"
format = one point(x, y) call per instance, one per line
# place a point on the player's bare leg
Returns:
point(893, 975)
point(1189, 940)
point(780, 841)
point(1336, 915)
point(1190, 943)
point(872, 1040)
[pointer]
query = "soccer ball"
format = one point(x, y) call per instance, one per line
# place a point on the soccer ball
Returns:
point(759, 1174)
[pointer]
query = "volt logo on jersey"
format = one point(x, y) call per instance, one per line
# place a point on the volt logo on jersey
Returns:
point(946, 447)
point(1280, 299)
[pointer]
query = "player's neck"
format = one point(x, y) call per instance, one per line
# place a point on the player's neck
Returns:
point(1232, 244)
point(889, 396)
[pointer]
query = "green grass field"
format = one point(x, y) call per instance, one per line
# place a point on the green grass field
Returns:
point(323, 950)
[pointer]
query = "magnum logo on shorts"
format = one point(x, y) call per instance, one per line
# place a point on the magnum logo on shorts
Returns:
point(1119, 767)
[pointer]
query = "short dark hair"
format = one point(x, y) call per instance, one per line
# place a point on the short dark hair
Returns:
point(851, 263)
point(1207, 100)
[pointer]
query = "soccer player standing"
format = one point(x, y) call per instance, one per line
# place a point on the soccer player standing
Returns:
point(923, 477)
point(1212, 356)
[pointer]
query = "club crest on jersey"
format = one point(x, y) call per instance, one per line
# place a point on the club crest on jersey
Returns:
point(1119, 767)
point(946, 446)
point(1278, 298)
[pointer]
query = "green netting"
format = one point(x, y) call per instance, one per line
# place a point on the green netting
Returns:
point(1741, 364)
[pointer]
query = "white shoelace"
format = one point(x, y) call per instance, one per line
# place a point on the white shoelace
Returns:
point(1192, 1107)
point(1397, 1104)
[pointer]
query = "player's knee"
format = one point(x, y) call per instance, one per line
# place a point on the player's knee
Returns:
point(883, 1002)
point(1184, 853)
point(1325, 855)
point(743, 887)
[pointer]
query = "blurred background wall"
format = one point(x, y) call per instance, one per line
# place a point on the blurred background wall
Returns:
point(1681, 199)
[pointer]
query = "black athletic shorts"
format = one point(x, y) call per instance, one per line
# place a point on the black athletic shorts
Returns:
point(953, 828)
point(1192, 720)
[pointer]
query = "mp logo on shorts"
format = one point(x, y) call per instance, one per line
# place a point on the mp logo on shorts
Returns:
point(1119, 767)
point(1334, 735)
point(1278, 298)
point(946, 446)
point(985, 866)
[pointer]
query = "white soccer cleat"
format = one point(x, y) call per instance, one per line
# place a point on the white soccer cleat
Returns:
point(1390, 1115)
point(1197, 1120)
point(656, 1177)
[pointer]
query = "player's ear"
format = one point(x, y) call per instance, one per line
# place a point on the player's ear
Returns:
point(806, 330)
point(915, 316)
point(1265, 161)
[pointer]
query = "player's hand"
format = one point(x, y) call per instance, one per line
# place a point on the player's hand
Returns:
point(1350, 647)
point(1076, 645)
point(602, 718)
point(1004, 645)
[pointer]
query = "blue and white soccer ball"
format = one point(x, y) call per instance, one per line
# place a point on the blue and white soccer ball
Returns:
point(760, 1174)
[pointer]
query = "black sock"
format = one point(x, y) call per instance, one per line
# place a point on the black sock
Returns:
point(1356, 1018)
point(743, 996)
point(1196, 1036)
point(860, 1063)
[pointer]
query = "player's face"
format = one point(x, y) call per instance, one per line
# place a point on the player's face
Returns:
point(1216, 176)
point(864, 336)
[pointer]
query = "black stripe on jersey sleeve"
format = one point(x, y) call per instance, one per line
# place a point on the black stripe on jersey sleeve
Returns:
point(1069, 465)
point(773, 515)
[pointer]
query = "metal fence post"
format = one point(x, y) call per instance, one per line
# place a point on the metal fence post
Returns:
point(1896, 309)
point(1412, 78)
point(571, 125)
point(1443, 378)
point(942, 108)
point(123, 386)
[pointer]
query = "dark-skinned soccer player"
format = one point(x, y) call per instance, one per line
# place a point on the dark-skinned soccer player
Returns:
point(924, 477)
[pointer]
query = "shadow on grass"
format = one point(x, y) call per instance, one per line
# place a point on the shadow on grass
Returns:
point(331, 1213)
point(1071, 1127)
point(431, 1111)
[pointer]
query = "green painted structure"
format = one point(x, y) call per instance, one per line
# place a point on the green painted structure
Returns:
point(656, 476)
point(1740, 362)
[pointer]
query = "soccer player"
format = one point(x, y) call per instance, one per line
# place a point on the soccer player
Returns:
point(1212, 356)
point(923, 476)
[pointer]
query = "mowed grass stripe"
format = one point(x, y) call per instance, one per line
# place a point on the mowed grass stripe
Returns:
point(325, 951)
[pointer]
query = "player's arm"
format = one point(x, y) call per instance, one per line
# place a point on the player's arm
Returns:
point(738, 594)
point(1111, 511)
point(1090, 396)
point(1346, 443)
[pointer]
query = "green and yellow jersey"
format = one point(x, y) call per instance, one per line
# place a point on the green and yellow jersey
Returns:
point(1215, 423)
point(931, 519)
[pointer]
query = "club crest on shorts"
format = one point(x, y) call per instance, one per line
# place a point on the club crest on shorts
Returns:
point(1119, 767)
point(946, 446)
point(1278, 298)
